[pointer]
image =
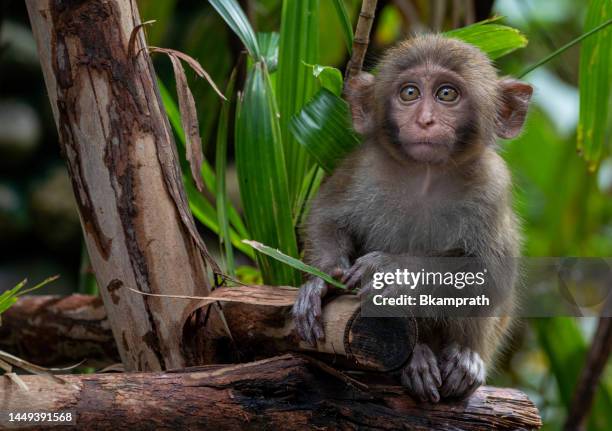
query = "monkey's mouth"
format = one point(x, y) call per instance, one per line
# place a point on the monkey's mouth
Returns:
point(428, 151)
point(430, 144)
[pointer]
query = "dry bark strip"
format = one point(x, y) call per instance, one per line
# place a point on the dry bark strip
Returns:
point(121, 158)
point(75, 328)
point(282, 393)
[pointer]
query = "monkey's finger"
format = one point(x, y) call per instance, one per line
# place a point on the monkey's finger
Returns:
point(299, 327)
point(429, 387)
point(351, 271)
point(315, 306)
point(473, 368)
point(305, 327)
point(354, 278)
point(477, 383)
point(318, 330)
point(311, 323)
point(448, 367)
point(463, 386)
point(451, 386)
point(314, 320)
point(435, 371)
point(298, 316)
point(417, 384)
point(450, 358)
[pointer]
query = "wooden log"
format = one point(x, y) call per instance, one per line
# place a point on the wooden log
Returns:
point(264, 327)
point(282, 393)
point(123, 165)
point(260, 324)
point(53, 330)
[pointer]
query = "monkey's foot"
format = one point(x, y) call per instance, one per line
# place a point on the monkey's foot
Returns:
point(463, 371)
point(421, 376)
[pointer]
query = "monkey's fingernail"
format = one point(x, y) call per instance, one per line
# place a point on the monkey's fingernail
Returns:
point(435, 396)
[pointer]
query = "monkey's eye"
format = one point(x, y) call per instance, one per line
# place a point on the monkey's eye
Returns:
point(409, 93)
point(446, 93)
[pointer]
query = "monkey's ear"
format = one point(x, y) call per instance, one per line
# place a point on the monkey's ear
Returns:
point(513, 110)
point(359, 93)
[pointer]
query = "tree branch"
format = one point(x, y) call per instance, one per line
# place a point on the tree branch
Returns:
point(362, 38)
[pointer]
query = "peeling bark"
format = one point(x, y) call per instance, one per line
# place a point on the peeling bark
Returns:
point(123, 165)
point(283, 393)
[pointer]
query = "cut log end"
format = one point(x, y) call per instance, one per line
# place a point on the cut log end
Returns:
point(379, 343)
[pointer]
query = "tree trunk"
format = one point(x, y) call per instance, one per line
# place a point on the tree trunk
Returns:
point(123, 165)
point(283, 393)
point(259, 317)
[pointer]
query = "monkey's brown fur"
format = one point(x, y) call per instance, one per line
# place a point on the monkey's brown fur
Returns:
point(427, 179)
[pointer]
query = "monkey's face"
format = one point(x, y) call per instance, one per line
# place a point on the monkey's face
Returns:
point(429, 115)
point(436, 100)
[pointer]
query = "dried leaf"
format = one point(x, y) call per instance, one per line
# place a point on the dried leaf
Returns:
point(167, 157)
point(189, 118)
point(17, 380)
point(30, 367)
point(132, 41)
point(193, 63)
point(244, 295)
point(113, 368)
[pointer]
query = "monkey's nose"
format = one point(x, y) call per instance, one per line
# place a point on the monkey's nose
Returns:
point(425, 120)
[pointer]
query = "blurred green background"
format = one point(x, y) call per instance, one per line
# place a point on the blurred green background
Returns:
point(564, 201)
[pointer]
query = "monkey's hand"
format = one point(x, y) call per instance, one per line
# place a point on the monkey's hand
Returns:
point(307, 311)
point(364, 267)
point(421, 376)
point(463, 371)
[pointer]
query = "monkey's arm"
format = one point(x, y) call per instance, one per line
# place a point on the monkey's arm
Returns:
point(327, 247)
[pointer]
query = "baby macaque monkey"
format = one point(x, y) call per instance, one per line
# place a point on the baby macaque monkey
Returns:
point(426, 180)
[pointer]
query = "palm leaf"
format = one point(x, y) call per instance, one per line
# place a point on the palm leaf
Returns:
point(295, 85)
point(323, 127)
point(262, 176)
point(595, 76)
point(221, 165)
point(328, 77)
point(293, 262)
point(495, 40)
point(235, 18)
point(345, 23)
point(268, 43)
